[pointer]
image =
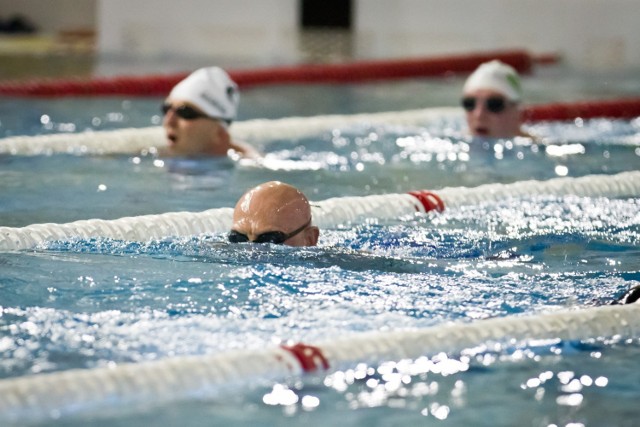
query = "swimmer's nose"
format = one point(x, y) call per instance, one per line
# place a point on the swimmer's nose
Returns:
point(480, 110)
point(170, 118)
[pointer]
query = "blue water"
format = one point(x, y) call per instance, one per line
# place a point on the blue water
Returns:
point(87, 303)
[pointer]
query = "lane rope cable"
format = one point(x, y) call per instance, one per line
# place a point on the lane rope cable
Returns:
point(41, 396)
point(329, 213)
point(139, 140)
point(349, 72)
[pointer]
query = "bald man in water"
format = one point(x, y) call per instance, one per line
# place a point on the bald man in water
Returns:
point(273, 212)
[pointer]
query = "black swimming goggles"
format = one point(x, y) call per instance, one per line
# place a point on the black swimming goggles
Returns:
point(275, 237)
point(494, 104)
point(186, 112)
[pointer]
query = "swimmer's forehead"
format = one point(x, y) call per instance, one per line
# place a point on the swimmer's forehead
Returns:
point(486, 93)
point(274, 197)
point(177, 102)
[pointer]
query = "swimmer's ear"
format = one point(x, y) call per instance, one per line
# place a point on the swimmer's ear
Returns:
point(311, 236)
point(223, 135)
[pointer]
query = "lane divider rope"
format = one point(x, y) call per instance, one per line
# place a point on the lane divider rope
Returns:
point(352, 72)
point(329, 213)
point(134, 141)
point(42, 396)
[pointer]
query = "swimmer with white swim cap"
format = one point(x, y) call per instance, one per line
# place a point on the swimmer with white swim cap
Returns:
point(198, 113)
point(491, 100)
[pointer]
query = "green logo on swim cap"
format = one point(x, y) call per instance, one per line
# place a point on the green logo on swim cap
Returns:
point(514, 81)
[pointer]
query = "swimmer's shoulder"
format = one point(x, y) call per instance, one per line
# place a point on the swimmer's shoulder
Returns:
point(245, 150)
point(534, 138)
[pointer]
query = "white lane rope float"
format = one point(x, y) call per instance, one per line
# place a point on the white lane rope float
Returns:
point(136, 140)
point(52, 395)
point(330, 213)
point(141, 140)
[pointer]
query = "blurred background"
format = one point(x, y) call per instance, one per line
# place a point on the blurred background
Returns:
point(57, 38)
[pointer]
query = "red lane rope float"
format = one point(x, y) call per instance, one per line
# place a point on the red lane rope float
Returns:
point(382, 69)
point(160, 85)
point(430, 201)
point(546, 58)
point(311, 358)
point(625, 108)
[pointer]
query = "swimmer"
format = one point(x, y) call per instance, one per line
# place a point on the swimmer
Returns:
point(273, 212)
point(197, 116)
point(631, 296)
point(491, 100)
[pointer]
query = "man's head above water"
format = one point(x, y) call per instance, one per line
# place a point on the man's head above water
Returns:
point(198, 113)
point(274, 212)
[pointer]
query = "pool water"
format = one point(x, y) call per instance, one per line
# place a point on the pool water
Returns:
point(86, 303)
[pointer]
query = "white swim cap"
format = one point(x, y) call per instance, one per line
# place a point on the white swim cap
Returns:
point(498, 76)
point(212, 90)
